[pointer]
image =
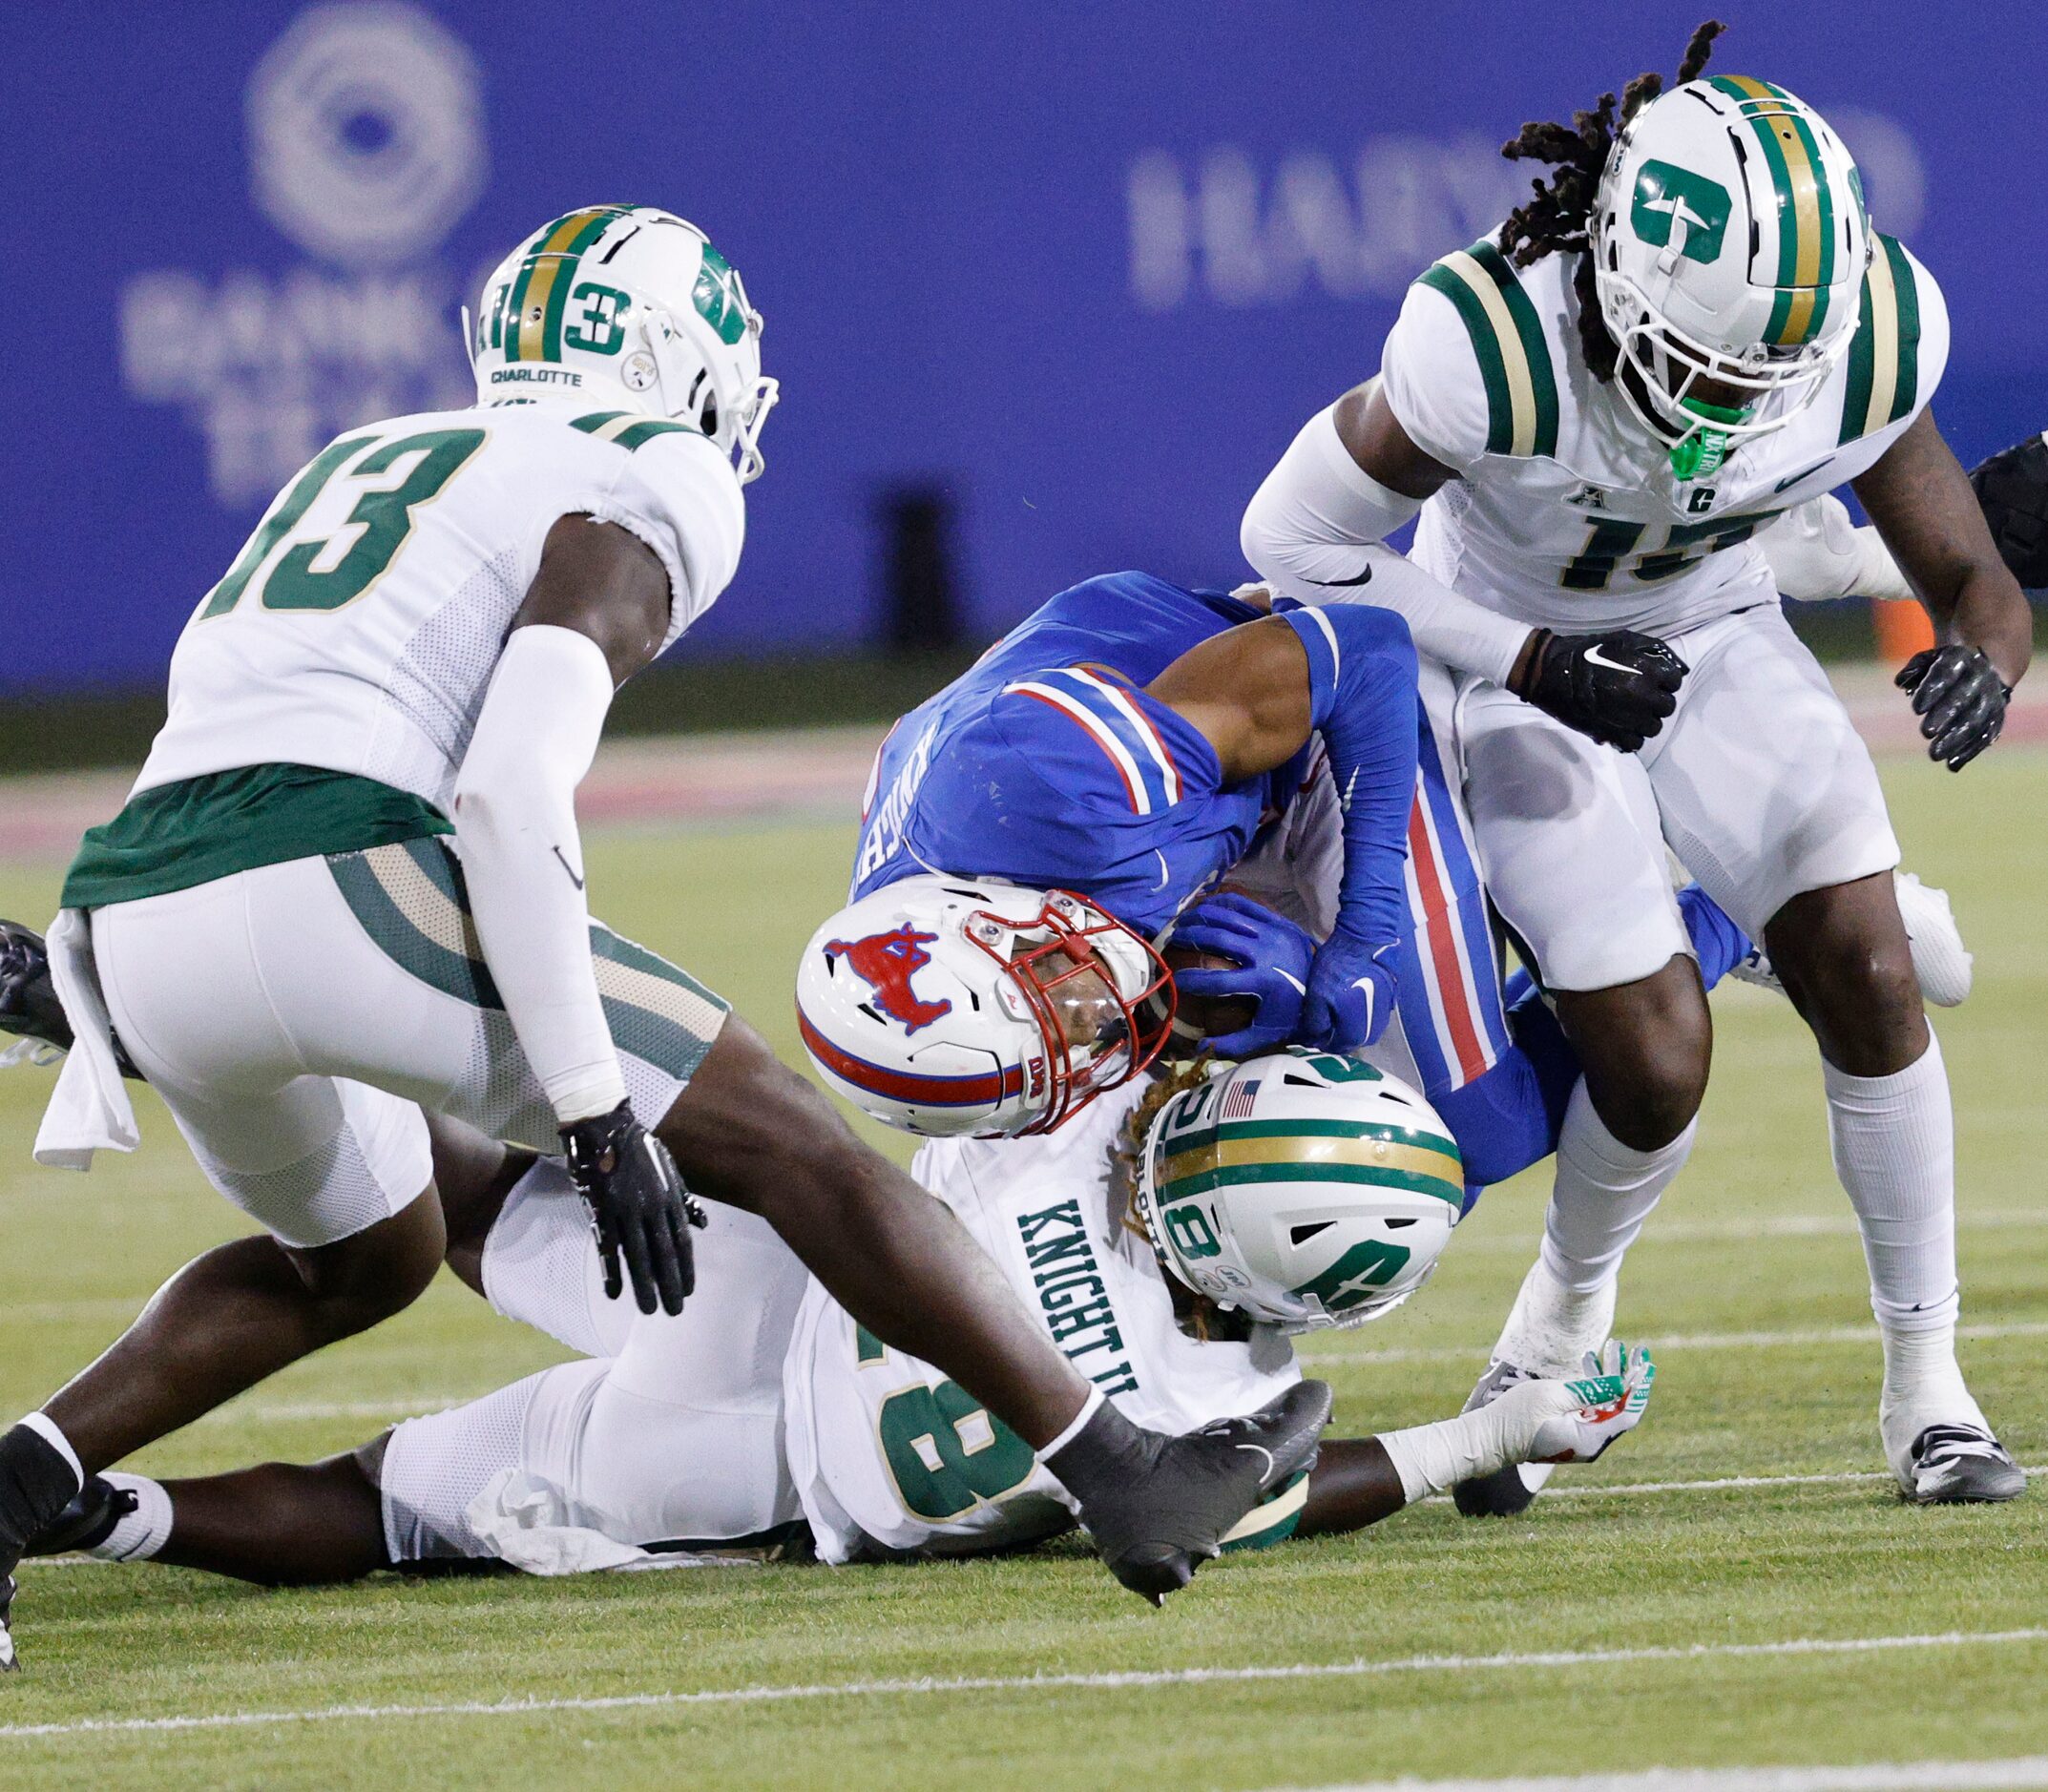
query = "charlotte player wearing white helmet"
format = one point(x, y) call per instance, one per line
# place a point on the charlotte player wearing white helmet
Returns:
point(1170, 1241)
point(348, 884)
point(1691, 327)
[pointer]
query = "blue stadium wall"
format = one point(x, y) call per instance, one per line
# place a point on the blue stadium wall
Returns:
point(1085, 267)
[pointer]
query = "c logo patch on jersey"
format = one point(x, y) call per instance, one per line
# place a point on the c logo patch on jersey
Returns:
point(886, 962)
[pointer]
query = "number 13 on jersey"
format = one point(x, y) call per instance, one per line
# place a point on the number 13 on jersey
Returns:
point(288, 570)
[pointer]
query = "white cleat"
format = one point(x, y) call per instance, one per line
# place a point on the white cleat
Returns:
point(1941, 961)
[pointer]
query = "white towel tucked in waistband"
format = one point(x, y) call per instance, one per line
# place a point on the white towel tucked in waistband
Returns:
point(89, 1110)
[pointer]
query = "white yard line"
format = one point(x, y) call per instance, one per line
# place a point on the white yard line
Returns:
point(1841, 1224)
point(1683, 1340)
point(1905, 1776)
point(1620, 1489)
point(1136, 1679)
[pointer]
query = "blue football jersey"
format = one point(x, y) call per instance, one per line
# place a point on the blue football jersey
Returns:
point(1046, 763)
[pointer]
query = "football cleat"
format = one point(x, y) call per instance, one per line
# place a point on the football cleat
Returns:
point(1961, 1465)
point(1511, 1490)
point(1939, 954)
point(8, 1661)
point(87, 1522)
point(1185, 1494)
point(1941, 960)
point(28, 1005)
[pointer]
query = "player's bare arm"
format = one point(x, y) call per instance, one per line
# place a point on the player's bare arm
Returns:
point(1922, 504)
point(1348, 672)
point(605, 582)
point(1316, 527)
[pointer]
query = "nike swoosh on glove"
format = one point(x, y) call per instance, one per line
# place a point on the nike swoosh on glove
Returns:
point(1960, 699)
point(1617, 688)
point(1273, 957)
point(1352, 995)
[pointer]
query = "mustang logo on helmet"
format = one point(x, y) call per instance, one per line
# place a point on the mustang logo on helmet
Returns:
point(886, 962)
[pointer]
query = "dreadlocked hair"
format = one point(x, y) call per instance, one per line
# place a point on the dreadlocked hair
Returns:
point(1200, 1316)
point(1558, 218)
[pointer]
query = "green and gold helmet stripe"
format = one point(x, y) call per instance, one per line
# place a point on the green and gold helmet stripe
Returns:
point(532, 328)
point(1521, 389)
point(1806, 207)
point(1313, 1150)
point(1884, 358)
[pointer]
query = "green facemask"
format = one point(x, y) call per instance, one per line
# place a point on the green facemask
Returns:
point(1703, 452)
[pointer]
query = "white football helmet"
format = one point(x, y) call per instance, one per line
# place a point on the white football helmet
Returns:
point(629, 306)
point(946, 1006)
point(1305, 1189)
point(1729, 243)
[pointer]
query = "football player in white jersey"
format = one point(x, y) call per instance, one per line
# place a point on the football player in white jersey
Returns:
point(1170, 1241)
point(348, 887)
point(1691, 327)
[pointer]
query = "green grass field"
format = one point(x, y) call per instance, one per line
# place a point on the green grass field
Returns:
point(1657, 1607)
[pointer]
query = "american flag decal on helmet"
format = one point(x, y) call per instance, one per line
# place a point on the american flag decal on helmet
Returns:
point(1237, 1104)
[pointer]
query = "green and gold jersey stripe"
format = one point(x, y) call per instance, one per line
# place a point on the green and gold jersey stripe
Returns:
point(533, 322)
point(1884, 359)
point(626, 428)
point(1806, 207)
point(1521, 389)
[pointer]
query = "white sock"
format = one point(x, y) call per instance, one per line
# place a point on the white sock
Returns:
point(141, 1534)
point(1894, 1140)
point(1551, 1328)
point(1602, 1193)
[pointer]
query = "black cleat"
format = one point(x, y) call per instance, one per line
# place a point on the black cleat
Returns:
point(1963, 1465)
point(88, 1520)
point(28, 1005)
point(1177, 1497)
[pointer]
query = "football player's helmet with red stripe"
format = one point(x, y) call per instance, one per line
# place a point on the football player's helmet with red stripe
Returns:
point(947, 1007)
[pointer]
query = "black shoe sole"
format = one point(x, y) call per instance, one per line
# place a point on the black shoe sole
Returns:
point(1502, 1494)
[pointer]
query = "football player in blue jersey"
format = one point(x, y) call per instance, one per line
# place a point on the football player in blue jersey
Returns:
point(1037, 832)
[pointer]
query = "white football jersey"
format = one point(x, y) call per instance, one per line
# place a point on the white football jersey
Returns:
point(1566, 513)
point(890, 1455)
point(358, 628)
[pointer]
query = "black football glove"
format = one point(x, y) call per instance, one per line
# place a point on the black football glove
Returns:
point(1960, 700)
point(2012, 489)
point(1615, 688)
point(638, 1207)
